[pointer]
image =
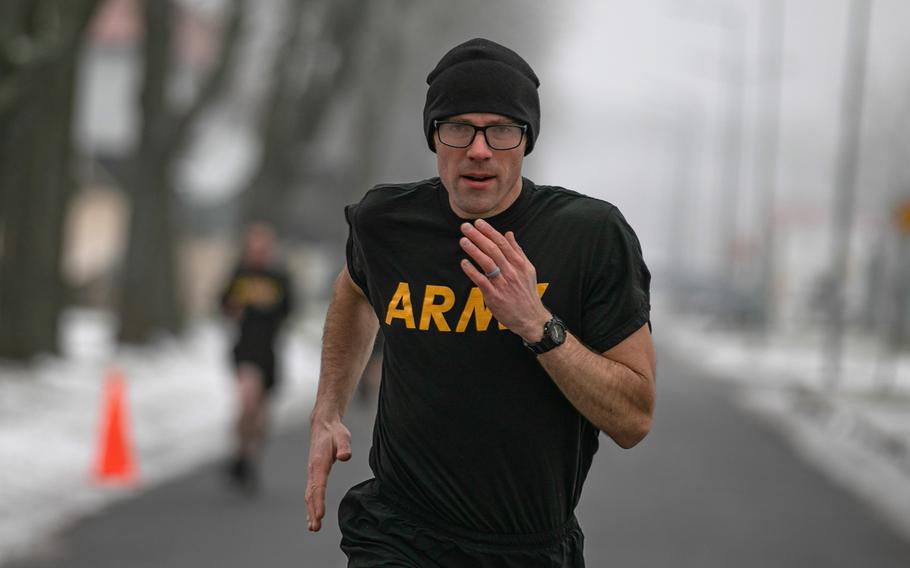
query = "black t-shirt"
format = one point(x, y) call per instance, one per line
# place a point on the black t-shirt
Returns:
point(470, 430)
point(264, 296)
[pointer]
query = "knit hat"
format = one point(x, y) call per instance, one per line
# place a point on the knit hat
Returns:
point(482, 76)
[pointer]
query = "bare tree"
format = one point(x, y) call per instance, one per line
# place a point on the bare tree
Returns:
point(335, 78)
point(150, 301)
point(314, 64)
point(39, 43)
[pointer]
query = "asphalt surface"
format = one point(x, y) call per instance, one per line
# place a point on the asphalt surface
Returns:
point(711, 486)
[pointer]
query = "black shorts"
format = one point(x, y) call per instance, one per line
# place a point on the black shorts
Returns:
point(262, 359)
point(375, 533)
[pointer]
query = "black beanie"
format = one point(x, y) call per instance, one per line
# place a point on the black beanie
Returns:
point(483, 76)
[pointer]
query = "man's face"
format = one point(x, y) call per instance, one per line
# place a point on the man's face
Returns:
point(259, 243)
point(481, 182)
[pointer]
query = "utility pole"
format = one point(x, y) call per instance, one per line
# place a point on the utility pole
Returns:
point(771, 33)
point(732, 74)
point(886, 374)
point(845, 183)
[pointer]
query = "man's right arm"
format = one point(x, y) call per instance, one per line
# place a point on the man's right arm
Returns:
point(350, 329)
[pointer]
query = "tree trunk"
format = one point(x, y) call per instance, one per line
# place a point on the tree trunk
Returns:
point(296, 109)
point(16, 273)
point(150, 301)
point(35, 173)
point(262, 197)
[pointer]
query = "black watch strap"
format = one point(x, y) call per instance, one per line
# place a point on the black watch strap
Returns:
point(554, 335)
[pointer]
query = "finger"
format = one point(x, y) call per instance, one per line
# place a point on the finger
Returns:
point(497, 239)
point(317, 478)
point(477, 277)
point(510, 237)
point(522, 262)
point(343, 447)
point(484, 243)
point(315, 503)
point(481, 258)
point(315, 500)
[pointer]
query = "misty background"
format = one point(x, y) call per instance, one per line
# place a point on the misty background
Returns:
point(139, 139)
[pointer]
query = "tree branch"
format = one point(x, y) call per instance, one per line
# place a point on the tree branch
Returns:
point(343, 31)
point(218, 76)
point(21, 56)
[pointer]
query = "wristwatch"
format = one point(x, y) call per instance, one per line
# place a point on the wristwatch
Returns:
point(554, 335)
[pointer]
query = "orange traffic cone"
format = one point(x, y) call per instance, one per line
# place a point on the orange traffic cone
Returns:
point(114, 463)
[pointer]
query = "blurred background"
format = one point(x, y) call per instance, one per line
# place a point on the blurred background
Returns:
point(758, 147)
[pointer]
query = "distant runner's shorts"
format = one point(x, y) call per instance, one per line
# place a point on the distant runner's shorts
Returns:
point(262, 359)
point(376, 534)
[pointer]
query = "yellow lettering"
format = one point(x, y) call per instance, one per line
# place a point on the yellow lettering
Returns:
point(474, 306)
point(433, 310)
point(400, 306)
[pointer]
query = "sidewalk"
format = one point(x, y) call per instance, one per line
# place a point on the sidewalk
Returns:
point(857, 431)
point(179, 399)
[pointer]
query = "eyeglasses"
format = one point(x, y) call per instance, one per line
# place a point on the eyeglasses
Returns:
point(497, 136)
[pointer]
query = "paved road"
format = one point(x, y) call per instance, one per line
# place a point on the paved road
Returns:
point(711, 487)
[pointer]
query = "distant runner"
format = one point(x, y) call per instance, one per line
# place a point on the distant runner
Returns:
point(258, 298)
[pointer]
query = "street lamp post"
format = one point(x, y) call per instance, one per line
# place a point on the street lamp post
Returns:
point(729, 182)
point(771, 32)
point(845, 184)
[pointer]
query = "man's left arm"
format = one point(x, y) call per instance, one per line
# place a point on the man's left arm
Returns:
point(615, 390)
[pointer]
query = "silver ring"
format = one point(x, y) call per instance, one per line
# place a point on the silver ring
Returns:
point(493, 273)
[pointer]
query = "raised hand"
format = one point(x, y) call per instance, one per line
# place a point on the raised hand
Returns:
point(508, 281)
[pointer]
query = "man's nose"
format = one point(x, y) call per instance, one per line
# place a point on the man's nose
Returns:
point(478, 150)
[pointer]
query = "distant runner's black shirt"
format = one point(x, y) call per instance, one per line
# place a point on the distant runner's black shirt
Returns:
point(471, 431)
point(264, 296)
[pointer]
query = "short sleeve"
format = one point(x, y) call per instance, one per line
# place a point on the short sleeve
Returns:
point(354, 252)
point(617, 290)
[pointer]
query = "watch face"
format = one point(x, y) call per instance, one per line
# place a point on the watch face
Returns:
point(557, 332)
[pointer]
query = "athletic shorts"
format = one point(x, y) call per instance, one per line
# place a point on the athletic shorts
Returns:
point(376, 534)
point(262, 359)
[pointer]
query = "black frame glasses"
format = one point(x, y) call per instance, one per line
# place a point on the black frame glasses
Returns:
point(486, 138)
